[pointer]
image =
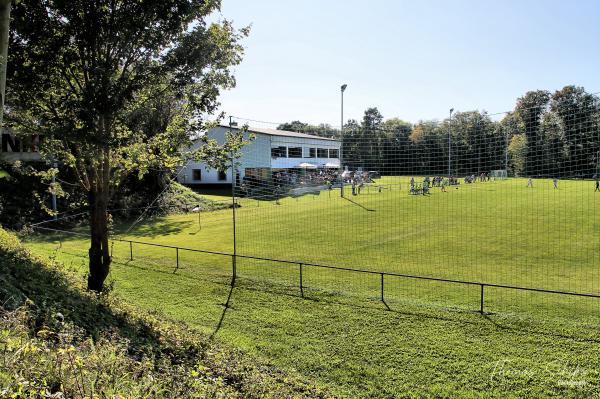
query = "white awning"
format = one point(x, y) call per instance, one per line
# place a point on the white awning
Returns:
point(332, 165)
point(306, 165)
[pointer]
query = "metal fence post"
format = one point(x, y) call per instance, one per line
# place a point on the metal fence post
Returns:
point(177, 256)
point(233, 269)
point(481, 301)
point(130, 250)
point(301, 285)
point(382, 297)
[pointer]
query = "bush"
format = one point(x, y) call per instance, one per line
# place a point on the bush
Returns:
point(179, 198)
point(24, 194)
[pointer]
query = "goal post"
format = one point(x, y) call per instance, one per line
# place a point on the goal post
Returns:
point(499, 174)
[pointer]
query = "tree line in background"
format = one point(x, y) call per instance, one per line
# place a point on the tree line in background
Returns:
point(546, 135)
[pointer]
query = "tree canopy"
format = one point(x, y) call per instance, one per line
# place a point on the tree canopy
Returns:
point(116, 87)
point(546, 135)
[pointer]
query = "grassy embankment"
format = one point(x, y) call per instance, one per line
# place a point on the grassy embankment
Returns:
point(57, 340)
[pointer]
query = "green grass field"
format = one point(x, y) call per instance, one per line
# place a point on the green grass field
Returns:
point(429, 342)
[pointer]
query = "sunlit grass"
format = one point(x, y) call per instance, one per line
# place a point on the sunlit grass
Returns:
point(340, 333)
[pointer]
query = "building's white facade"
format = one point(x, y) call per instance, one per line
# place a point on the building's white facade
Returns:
point(270, 150)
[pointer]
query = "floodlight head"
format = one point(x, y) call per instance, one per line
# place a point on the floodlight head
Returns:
point(451, 110)
point(344, 87)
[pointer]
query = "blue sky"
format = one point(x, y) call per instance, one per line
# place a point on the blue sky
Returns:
point(411, 59)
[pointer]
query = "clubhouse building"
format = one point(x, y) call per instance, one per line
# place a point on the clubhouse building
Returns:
point(270, 151)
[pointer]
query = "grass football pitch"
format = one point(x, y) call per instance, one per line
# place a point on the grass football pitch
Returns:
point(427, 338)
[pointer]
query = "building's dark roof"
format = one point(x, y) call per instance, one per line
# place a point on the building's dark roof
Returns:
point(284, 133)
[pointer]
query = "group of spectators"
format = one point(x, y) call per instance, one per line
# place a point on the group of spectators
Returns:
point(309, 177)
point(423, 188)
point(443, 182)
point(483, 176)
point(282, 181)
point(320, 177)
point(285, 178)
point(358, 180)
point(439, 181)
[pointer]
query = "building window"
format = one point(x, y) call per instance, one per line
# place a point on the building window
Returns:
point(279, 152)
point(196, 174)
point(310, 152)
point(295, 152)
point(334, 153)
point(321, 152)
point(222, 176)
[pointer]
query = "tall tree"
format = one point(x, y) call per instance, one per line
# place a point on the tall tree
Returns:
point(577, 112)
point(372, 119)
point(554, 147)
point(322, 129)
point(530, 109)
point(517, 150)
point(398, 157)
point(294, 126)
point(351, 155)
point(430, 143)
point(510, 126)
point(371, 139)
point(80, 69)
point(476, 145)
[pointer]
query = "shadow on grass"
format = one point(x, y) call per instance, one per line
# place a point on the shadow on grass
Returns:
point(359, 205)
point(214, 278)
point(225, 308)
point(552, 333)
point(454, 315)
point(47, 237)
point(160, 226)
point(52, 299)
point(152, 266)
point(168, 272)
point(51, 293)
point(222, 190)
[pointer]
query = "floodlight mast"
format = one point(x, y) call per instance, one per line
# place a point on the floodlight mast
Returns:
point(343, 89)
point(341, 168)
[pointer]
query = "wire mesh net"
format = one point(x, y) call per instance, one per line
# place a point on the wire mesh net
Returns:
point(462, 213)
point(507, 199)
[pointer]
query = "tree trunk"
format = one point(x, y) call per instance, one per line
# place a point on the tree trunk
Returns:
point(99, 253)
point(4, 27)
